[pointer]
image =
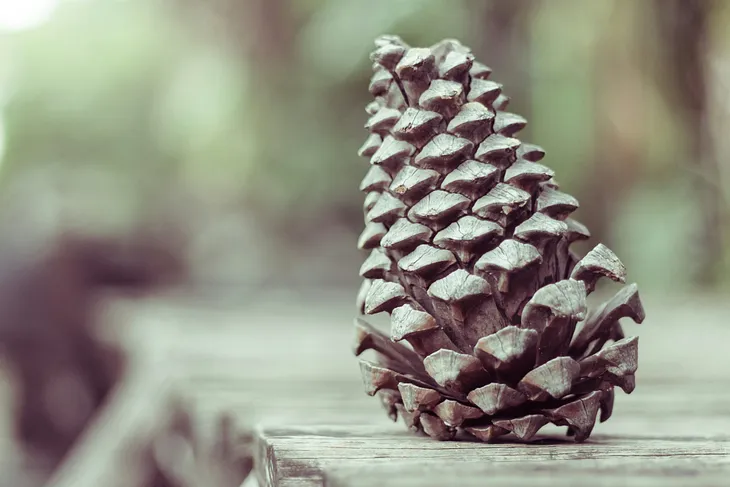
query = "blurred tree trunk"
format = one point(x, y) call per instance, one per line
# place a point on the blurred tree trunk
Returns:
point(265, 31)
point(620, 128)
point(502, 29)
point(682, 27)
point(262, 30)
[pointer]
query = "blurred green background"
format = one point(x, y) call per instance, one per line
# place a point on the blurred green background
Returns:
point(230, 127)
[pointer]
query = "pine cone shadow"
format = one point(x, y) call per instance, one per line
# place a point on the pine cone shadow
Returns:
point(539, 439)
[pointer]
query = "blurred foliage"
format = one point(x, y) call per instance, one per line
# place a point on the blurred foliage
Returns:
point(240, 120)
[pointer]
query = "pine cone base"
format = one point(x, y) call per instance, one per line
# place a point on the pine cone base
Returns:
point(469, 239)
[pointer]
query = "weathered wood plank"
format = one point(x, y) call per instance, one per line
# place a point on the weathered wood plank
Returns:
point(650, 409)
point(147, 432)
point(112, 443)
point(655, 421)
point(680, 340)
point(350, 452)
point(630, 472)
point(680, 411)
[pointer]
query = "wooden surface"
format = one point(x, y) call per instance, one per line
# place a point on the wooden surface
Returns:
point(115, 441)
point(663, 434)
point(123, 444)
point(371, 455)
point(287, 371)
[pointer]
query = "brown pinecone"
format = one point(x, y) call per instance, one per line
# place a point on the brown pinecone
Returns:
point(469, 241)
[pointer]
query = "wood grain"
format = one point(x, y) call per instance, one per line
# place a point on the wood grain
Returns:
point(371, 455)
point(288, 370)
point(114, 443)
point(146, 435)
point(674, 429)
point(630, 472)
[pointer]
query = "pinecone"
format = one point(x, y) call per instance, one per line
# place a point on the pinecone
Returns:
point(469, 240)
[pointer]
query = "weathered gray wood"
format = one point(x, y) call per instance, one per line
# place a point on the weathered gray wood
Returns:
point(660, 421)
point(674, 471)
point(692, 417)
point(312, 453)
point(136, 440)
point(109, 451)
point(220, 358)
